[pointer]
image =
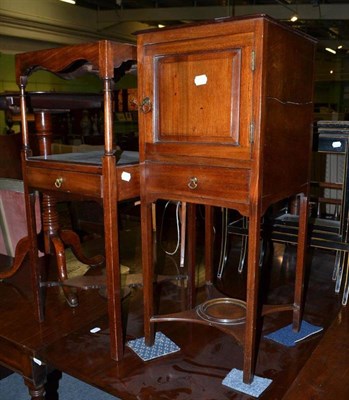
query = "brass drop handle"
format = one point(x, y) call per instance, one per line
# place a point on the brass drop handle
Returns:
point(145, 106)
point(193, 182)
point(58, 182)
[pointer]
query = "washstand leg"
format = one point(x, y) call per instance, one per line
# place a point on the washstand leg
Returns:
point(300, 264)
point(148, 271)
point(252, 296)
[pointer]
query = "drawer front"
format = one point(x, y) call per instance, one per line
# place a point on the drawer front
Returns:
point(13, 357)
point(127, 178)
point(197, 183)
point(64, 181)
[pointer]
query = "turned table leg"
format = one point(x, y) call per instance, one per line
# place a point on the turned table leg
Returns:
point(36, 383)
point(56, 239)
point(52, 385)
point(36, 393)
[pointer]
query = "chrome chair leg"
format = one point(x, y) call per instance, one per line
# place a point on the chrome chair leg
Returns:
point(346, 285)
point(343, 260)
point(223, 254)
point(336, 265)
point(244, 246)
point(243, 252)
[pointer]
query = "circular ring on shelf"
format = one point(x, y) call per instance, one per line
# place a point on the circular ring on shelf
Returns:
point(224, 310)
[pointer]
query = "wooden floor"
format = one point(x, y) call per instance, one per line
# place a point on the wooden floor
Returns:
point(316, 368)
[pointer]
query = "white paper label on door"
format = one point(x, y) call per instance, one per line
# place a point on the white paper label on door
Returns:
point(200, 80)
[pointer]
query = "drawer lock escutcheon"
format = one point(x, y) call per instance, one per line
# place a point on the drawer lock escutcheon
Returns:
point(193, 182)
point(58, 182)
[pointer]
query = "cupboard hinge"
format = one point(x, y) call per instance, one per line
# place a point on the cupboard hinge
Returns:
point(251, 132)
point(253, 60)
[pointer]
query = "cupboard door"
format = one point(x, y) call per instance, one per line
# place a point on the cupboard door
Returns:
point(201, 93)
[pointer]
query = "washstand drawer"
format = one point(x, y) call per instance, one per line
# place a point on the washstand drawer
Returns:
point(198, 182)
point(64, 181)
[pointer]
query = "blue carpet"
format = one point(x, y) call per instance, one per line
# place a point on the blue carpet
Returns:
point(255, 388)
point(13, 388)
point(289, 338)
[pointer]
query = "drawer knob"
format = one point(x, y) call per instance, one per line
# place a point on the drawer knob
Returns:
point(58, 182)
point(193, 182)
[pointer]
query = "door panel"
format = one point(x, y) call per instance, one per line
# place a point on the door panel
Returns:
point(201, 93)
point(193, 89)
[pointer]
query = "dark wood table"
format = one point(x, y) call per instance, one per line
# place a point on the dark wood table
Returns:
point(22, 337)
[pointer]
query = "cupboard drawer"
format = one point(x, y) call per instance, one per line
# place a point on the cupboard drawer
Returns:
point(198, 182)
point(64, 181)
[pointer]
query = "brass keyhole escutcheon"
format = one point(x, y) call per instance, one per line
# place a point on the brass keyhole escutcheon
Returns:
point(58, 182)
point(193, 182)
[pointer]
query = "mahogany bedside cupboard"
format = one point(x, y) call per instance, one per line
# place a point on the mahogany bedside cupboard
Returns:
point(226, 111)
